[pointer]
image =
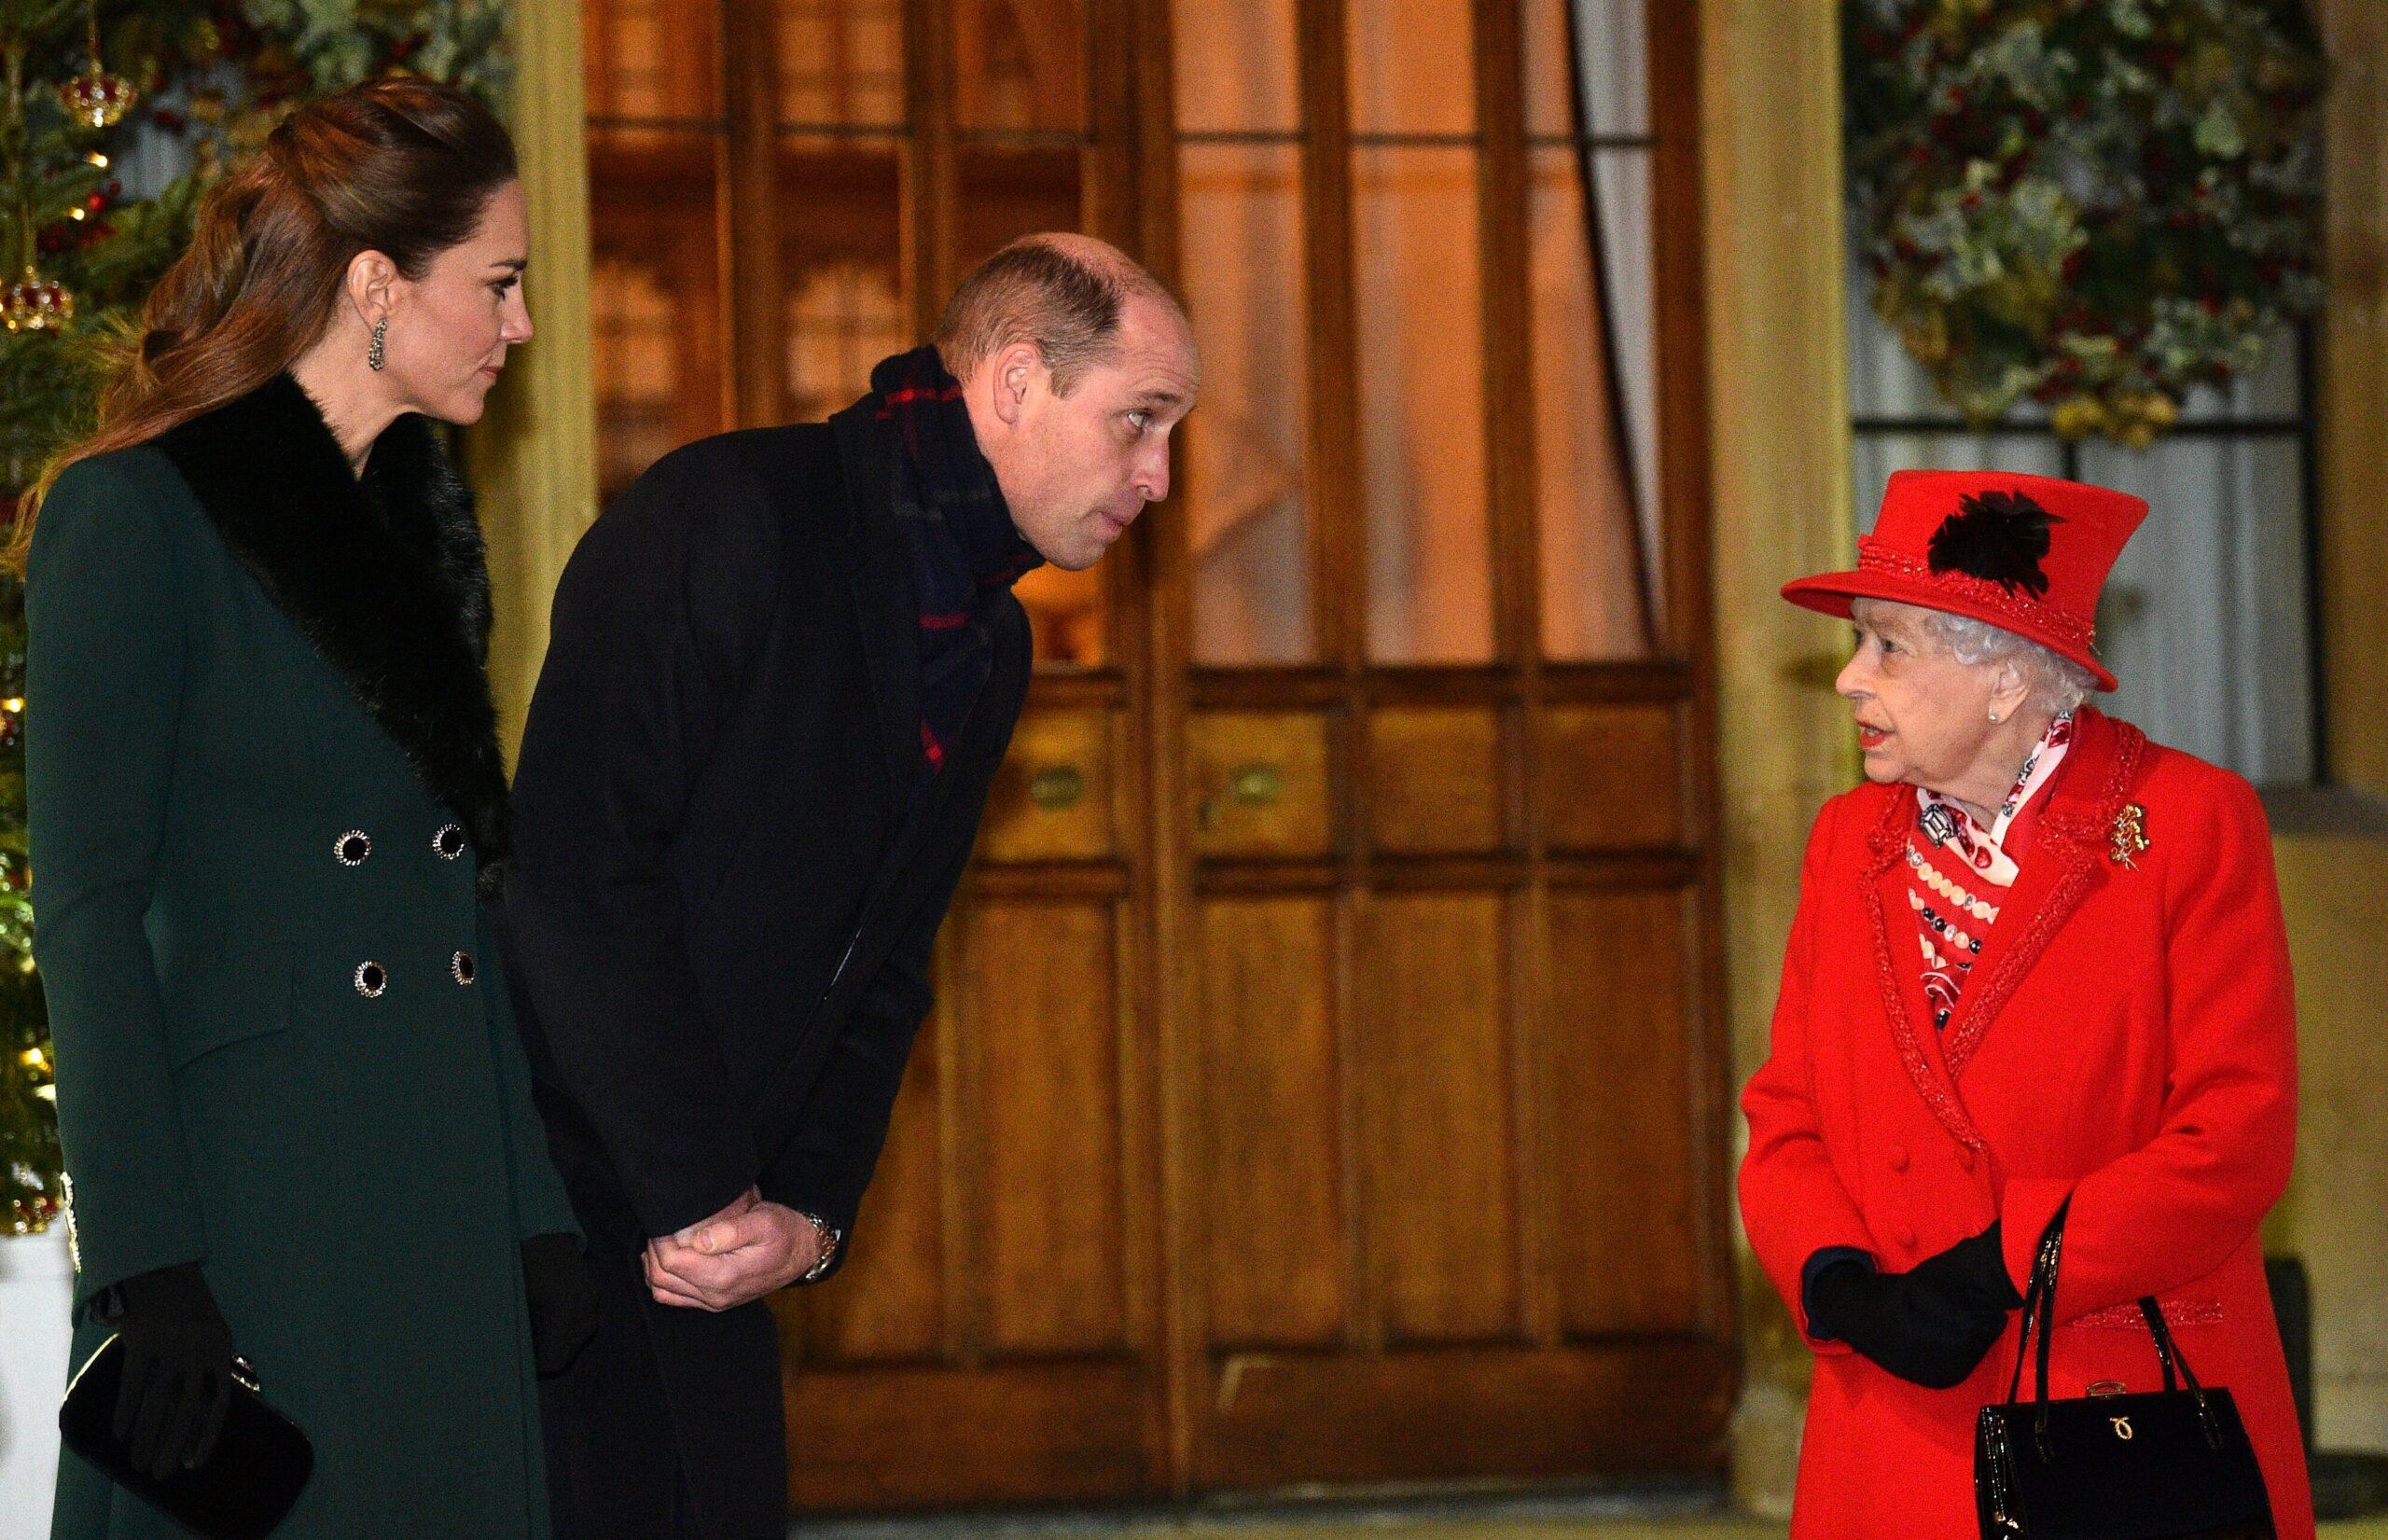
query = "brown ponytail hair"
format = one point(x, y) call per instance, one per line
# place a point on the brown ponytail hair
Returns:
point(402, 166)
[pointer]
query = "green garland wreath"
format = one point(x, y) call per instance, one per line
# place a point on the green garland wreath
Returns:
point(2097, 204)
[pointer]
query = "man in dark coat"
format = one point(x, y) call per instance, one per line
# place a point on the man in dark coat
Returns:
point(785, 666)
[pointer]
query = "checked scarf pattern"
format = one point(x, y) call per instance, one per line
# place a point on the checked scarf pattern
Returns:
point(965, 550)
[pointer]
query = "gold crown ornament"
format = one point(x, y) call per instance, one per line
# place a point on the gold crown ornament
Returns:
point(36, 303)
point(97, 98)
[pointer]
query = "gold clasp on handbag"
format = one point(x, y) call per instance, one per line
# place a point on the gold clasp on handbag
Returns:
point(2109, 1387)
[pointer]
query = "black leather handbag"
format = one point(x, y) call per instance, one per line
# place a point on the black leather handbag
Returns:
point(244, 1488)
point(2174, 1465)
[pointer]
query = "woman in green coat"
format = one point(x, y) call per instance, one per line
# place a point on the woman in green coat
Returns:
point(266, 807)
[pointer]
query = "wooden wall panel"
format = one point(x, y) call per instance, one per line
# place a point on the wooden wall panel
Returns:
point(1053, 798)
point(1260, 781)
point(1435, 779)
point(1625, 1214)
point(887, 1303)
point(1044, 1203)
point(1440, 1135)
point(1278, 1266)
point(1633, 753)
point(1617, 1408)
point(1054, 1431)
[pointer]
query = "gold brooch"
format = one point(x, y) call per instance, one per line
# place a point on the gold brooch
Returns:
point(2130, 834)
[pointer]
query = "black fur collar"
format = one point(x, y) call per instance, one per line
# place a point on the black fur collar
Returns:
point(385, 575)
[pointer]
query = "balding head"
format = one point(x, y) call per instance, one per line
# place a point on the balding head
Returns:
point(1075, 365)
point(1060, 293)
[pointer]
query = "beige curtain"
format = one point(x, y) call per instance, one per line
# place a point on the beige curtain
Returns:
point(1421, 353)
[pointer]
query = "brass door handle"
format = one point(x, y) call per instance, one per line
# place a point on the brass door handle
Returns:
point(1054, 787)
point(1257, 785)
point(1252, 785)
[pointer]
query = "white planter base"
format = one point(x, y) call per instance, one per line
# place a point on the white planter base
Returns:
point(36, 1288)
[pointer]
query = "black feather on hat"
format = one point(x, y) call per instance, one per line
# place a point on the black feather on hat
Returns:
point(1999, 537)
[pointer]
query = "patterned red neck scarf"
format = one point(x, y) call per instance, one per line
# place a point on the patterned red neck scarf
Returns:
point(1958, 872)
point(965, 550)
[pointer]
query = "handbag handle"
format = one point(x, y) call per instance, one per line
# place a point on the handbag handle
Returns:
point(2039, 1308)
point(2039, 1318)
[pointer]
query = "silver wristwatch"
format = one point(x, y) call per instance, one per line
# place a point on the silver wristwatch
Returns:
point(831, 1239)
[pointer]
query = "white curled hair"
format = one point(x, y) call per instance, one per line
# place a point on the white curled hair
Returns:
point(2056, 682)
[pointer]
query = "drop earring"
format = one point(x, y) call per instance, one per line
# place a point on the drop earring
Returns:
point(375, 356)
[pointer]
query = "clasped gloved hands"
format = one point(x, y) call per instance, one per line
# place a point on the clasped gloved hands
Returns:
point(178, 1367)
point(1930, 1325)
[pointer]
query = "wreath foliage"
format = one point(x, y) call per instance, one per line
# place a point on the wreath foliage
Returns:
point(2097, 204)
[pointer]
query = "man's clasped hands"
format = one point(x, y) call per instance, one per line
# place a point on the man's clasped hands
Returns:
point(748, 1250)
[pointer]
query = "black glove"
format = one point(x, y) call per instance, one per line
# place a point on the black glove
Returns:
point(562, 1299)
point(1916, 1328)
point(1972, 1274)
point(178, 1367)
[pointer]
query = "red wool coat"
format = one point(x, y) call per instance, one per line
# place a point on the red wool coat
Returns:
point(2127, 1039)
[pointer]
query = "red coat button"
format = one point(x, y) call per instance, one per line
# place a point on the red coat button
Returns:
point(1899, 1158)
point(1906, 1238)
point(1966, 1156)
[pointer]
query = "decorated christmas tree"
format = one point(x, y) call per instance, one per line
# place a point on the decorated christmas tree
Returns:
point(117, 114)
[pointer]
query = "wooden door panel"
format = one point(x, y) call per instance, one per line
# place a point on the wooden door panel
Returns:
point(1044, 1205)
point(1001, 1221)
point(1060, 1431)
point(1272, 1122)
point(1435, 779)
point(1466, 1413)
point(1261, 784)
point(889, 1302)
point(1055, 797)
point(1434, 1067)
point(1612, 776)
point(1625, 1214)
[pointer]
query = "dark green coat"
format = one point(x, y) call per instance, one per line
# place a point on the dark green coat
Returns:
point(240, 661)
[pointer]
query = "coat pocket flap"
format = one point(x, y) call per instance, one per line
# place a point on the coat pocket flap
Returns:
point(217, 999)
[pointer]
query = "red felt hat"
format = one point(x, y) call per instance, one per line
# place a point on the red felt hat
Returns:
point(2028, 553)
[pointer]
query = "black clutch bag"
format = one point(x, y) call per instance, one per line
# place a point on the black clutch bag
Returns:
point(2174, 1465)
point(248, 1482)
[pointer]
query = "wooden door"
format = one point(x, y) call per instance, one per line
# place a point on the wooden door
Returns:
point(1325, 1085)
point(1444, 1139)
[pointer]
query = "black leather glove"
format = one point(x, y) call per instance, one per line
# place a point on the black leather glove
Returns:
point(562, 1299)
point(1920, 1330)
point(1972, 1274)
point(178, 1367)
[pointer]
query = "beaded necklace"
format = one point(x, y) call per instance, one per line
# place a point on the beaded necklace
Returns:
point(1958, 872)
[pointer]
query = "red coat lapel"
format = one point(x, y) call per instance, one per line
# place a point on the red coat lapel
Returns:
point(1884, 891)
point(2064, 867)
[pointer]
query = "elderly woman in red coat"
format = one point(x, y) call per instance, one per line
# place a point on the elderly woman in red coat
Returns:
point(2038, 965)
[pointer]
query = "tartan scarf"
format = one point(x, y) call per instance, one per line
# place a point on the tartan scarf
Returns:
point(965, 550)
